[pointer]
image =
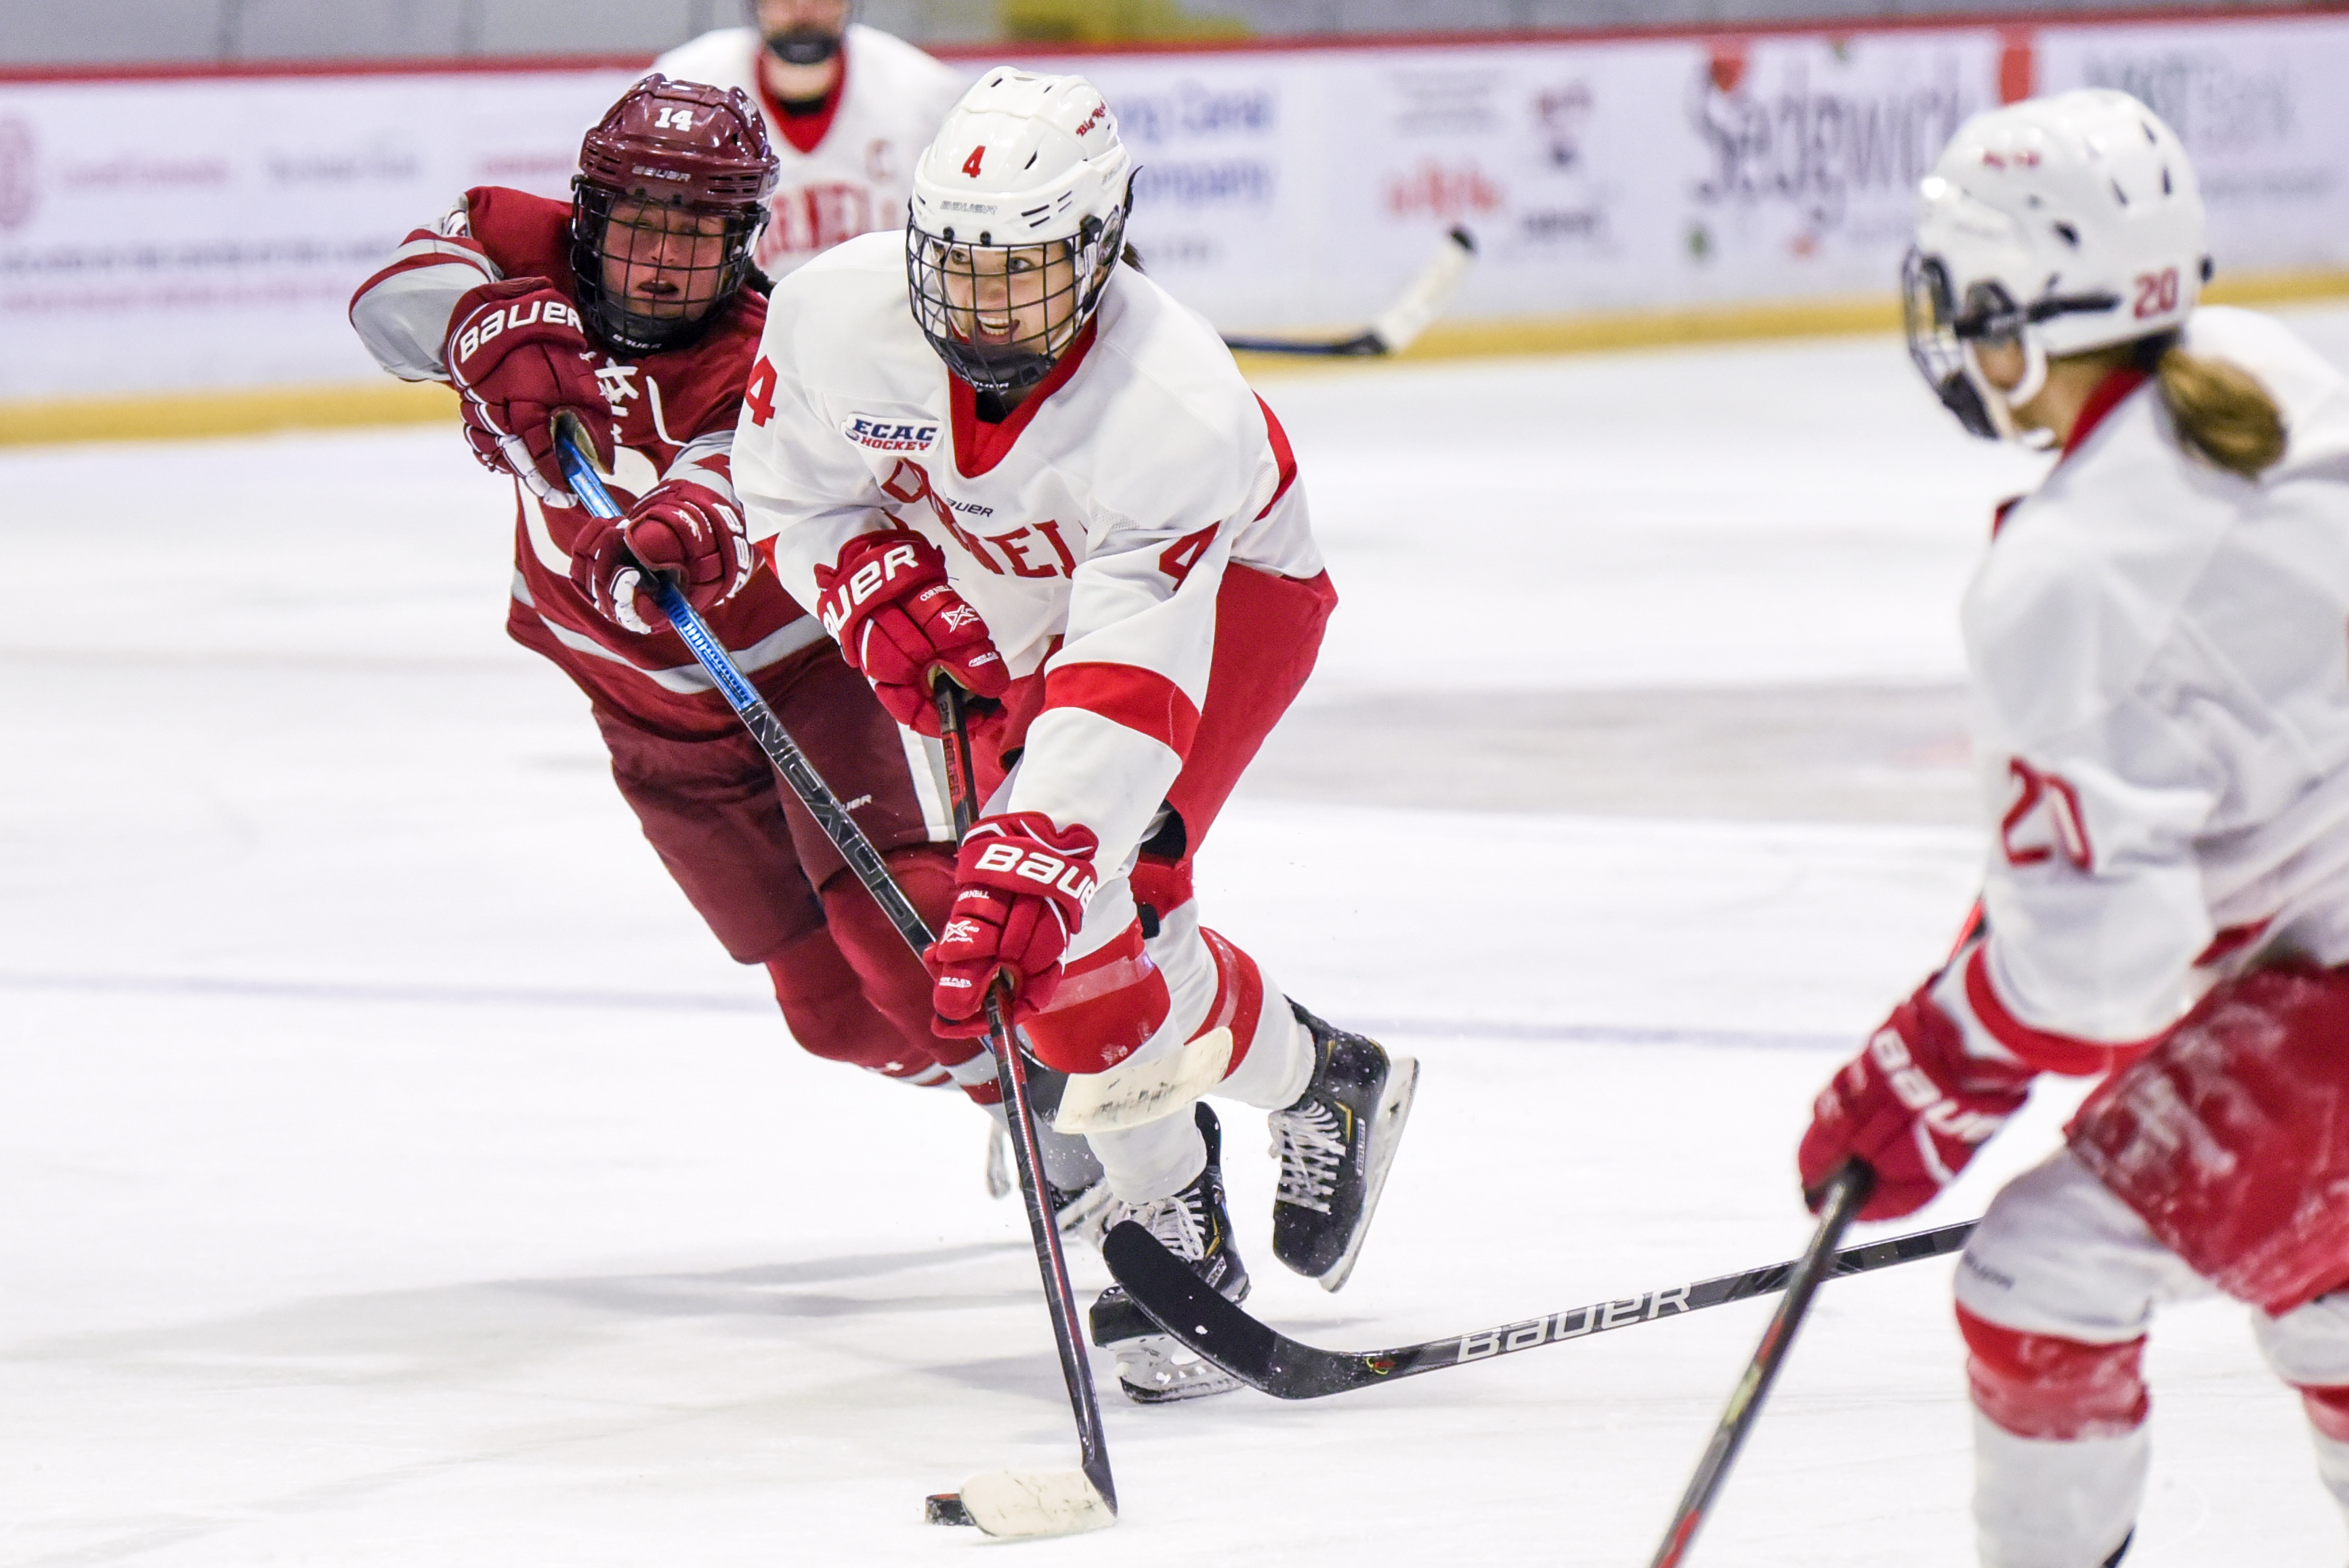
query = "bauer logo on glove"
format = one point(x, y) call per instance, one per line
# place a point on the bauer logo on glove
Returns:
point(901, 625)
point(1073, 878)
point(1913, 1106)
point(1918, 1091)
point(524, 312)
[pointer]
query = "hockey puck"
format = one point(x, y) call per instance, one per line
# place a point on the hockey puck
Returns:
point(945, 1508)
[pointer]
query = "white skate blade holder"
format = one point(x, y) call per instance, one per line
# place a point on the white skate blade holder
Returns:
point(1133, 1092)
point(1027, 1505)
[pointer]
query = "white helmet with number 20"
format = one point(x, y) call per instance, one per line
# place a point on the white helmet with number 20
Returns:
point(1018, 217)
point(2062, 224)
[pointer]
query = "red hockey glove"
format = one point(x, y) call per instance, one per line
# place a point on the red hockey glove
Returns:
point(517, 359)
point(686, 532)
point(887, 603)
point(1912, 1105)
point(1020, 887)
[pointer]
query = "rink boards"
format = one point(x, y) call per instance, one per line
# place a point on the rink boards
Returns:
point(177, 233)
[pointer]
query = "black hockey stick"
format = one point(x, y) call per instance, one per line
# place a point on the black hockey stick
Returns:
point(1265, 1359)
point(1395, 328)
point(1845, 1192)
point(1008, 1504)
point(1028, 1504)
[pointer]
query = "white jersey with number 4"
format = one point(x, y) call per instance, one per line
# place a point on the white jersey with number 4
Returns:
point(1091, 529)
point(2160, 663)
point(844, 173)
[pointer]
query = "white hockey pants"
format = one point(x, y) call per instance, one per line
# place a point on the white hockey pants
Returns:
point(2067, 1268)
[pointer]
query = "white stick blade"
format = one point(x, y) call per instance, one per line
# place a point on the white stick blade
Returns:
point(1132, 1093)
point(1399, 324)
point(1019, 1505)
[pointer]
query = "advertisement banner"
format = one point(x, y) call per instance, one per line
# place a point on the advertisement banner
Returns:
point(207, 232)
point(2260, 106)
point(1281, 189)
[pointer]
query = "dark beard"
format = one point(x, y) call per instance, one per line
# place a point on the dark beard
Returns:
point(803, 45)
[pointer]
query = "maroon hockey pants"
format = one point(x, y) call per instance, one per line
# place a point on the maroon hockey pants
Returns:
point(770, 885)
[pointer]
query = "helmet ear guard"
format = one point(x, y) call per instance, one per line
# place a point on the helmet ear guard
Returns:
point(1945, 342)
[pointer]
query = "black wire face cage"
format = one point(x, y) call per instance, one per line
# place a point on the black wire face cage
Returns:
point(690, 281)
point(972, 298)
point(1938, 332)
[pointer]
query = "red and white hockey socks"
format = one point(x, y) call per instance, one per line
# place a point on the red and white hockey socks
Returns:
point(2060, 1445)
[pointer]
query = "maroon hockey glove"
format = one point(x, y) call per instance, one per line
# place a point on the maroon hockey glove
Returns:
point(1020, 887)
point(1912, 1105)
point(518, 357)
point(887, 603)
point(686, 532)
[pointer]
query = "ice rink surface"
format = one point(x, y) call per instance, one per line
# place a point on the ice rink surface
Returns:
point(392, 1171)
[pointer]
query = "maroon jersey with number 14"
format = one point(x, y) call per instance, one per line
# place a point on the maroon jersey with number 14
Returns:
point(676, 411)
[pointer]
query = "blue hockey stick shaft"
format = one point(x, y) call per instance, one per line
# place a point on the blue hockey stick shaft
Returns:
point(756, 716)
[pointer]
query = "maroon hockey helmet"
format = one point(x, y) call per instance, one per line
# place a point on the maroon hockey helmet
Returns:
point(671, 191)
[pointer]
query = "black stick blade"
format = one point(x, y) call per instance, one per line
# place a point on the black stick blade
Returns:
point(1178, 1301)
point(1189, 1308)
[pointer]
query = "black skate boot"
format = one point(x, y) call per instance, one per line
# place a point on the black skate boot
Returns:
point(1193, 1224)
point(1334, 1146)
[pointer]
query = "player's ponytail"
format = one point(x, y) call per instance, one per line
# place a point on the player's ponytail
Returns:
point(2221, 410)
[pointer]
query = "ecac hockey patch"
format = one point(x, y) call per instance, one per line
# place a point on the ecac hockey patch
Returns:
point(890, 433)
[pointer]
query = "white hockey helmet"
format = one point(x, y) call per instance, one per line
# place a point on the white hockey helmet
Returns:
point(2062, 223)
point(1026, 177)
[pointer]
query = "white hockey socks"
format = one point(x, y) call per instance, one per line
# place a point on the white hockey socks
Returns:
point(1279, 1062)
point(1154, 1160)
point(2055, 1502)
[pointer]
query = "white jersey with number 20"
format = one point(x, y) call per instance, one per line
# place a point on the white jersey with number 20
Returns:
point(2160, 663)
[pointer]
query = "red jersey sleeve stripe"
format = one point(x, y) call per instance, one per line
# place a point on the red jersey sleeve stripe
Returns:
point(1142, 700)
point(423, 248)
point(2049, 1052)
point(1280, 455)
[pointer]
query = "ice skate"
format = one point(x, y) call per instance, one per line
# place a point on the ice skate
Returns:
point(1195, 1225)
point(1081, 1208)
point(1334, 1146)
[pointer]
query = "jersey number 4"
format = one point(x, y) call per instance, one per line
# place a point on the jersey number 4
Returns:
point(759, 396)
